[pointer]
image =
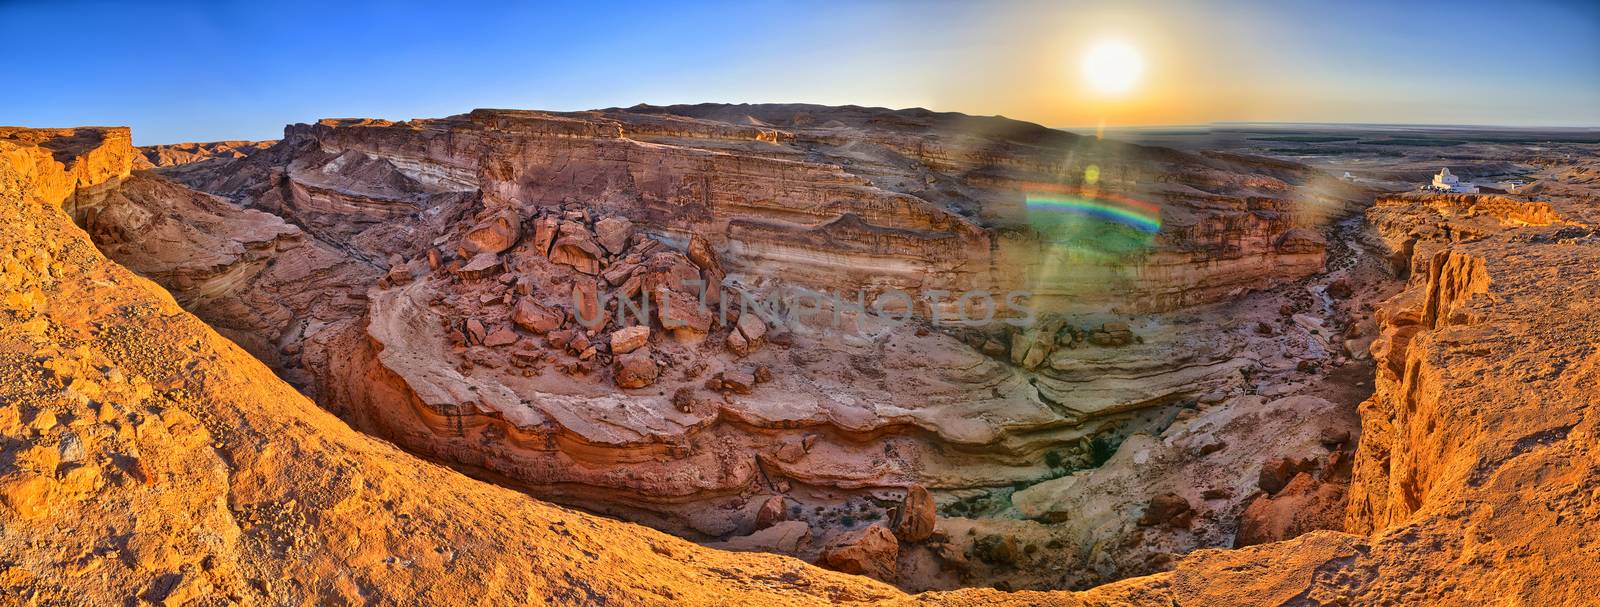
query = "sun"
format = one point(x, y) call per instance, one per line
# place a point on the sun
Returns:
point(1112, 67)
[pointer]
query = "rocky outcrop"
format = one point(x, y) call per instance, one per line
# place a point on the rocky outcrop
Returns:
point(58, 165)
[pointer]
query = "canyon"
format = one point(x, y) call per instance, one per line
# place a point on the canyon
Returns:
point(1298, 390)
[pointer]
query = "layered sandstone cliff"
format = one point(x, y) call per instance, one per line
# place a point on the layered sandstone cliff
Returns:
point(904, 199)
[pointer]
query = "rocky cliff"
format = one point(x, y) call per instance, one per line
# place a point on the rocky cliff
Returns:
point(1476, 477)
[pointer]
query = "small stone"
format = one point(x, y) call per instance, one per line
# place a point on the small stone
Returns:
point(683, 400)
point(739, 382)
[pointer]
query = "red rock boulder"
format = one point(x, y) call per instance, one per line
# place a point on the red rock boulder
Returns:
point(872, 552)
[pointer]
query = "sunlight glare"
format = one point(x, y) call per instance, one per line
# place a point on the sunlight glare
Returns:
point(1112, 67)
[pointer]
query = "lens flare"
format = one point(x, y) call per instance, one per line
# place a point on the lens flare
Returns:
point(1136, 214)
point(1091, 240)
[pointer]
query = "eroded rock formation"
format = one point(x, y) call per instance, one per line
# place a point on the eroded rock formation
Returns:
point(1473, 478)
point(450, 286)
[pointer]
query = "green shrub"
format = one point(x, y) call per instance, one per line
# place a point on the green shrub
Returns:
point(1100, 451)
point(1052, 459)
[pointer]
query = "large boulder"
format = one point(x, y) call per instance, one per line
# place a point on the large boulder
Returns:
point(481, 266)
point(613, 233)
point(587, 308)
point(872, 552)
point(747, 335)
point(476, 331)
point(998, 550)
point(502, 336)
point(575, 247)
point(493, 235)
point(1112, 334)
point(1278, 471)
point(736, 381)
point(1169, 509)
point(701, 255)
point(671, 270)
point(1340, 289)
point(544, 234)
point(737, 344)
point(916, 515)
point(535, 318)
point(628, 339)
point(681, 314)
point(619, 273)
point(635, 369)
point(1030, 349)
point(1305, 505)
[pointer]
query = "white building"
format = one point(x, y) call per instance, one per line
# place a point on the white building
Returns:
point(1446, 182)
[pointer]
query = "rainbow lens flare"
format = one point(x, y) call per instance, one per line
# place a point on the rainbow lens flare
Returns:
point(1136, 214)
point(1091, 239)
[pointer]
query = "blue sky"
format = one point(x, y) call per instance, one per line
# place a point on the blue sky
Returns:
point(205, 71)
